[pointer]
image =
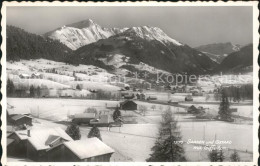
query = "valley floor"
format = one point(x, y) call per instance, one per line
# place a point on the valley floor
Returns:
point(133, 142)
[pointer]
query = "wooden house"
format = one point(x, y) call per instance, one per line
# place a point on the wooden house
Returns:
point(36, 76)
point(32, 144)
point(20, 119)
point(128, 105)
point(24, 76)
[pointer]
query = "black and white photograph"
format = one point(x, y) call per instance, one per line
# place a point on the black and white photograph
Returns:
point(130, 83)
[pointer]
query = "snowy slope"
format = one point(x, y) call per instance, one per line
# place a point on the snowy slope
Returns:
point(82, 33)
point(152, 33)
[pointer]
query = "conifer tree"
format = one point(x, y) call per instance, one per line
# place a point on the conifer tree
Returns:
point(38, 91)
point(213, 156)
point(221, 156)
point(216, 156)
point(224, 110)
point(235, 157)
point(94, 132)
point(10, 88)
point(166, 148)
point(32, 91)
point(73, 131)
point(116, 114)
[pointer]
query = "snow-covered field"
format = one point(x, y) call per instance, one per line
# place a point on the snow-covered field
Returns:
point(133, 142)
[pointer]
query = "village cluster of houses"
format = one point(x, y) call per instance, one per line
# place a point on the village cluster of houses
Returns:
point(53, 144)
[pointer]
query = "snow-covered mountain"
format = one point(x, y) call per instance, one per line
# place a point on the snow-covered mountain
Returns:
point(85, 32)
point(82, 33)
point(147, 45)
point(132, 49)
point(151, 33)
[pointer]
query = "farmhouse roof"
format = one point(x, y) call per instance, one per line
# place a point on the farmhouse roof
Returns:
point(51, 139)
point(39, 136)
point(87, 148)
point(36, 74)
point(126, 101)
point(25, 75)
point(19, 116)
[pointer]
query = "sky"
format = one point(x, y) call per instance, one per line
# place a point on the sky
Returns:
point(194, 26)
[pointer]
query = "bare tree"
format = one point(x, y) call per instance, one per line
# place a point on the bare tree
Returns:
point(143, 109)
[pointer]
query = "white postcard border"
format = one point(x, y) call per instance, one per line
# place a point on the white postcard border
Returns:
point(134, 4)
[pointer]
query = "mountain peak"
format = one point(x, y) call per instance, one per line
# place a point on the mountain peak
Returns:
point(152, 33)
point(82, 24)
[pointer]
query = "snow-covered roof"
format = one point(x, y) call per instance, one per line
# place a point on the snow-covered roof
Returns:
point(25, 75)
point(87, 148)
point(36, 74)
point(19, 116)
point(85, 115)
point(39, 136)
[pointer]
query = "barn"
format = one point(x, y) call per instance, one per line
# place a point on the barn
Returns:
point(128, 105)
point(85, 150)
point(19, 119)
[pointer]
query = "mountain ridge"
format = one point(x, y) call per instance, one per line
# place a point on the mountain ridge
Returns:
point(218, 51)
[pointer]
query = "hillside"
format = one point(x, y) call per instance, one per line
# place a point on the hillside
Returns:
point(23, 45)
point(240, 61)
point(218, 51)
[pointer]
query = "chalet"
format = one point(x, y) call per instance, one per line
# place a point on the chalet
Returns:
point(36, 75)
point(128, 105)
point(83, 118)
point(152, 98)
point(193, 110)
point(32, 144)
point(102, 121)
point(188, 98)
point(85, 150)
point(24, 76)
point(173, 102)
point(20, 119)
point(196, 92)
